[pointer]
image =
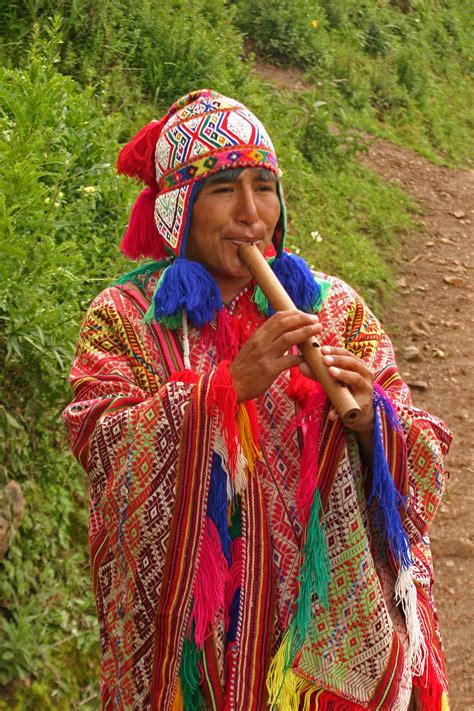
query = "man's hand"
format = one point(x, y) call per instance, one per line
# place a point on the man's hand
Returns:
point(353, 372)
point(264, 356)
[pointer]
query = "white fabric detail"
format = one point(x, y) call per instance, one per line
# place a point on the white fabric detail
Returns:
point(239, 483)
point(405, 593)
point(186, 350)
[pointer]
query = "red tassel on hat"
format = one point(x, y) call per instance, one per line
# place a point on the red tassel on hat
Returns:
point(137, 157)
point(137, 160)
point(142, 238)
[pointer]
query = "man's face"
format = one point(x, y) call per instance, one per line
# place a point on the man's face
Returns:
point(227, 213)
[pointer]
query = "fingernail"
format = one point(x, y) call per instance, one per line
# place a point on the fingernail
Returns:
point(326, 349)
point(336, 371)
point(328, 360)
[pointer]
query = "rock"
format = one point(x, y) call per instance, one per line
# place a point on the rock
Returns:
point(402, 282)
point(438, 353)
point(458, 214)
point(454, 280)
point(445, 240)
point(419, 328)
point(412, 353)
point(418, 385)
point(429, 244)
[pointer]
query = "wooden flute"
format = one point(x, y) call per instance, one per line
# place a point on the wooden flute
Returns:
point(340, 396)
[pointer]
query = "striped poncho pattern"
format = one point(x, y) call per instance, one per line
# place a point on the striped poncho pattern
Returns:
point(199, 534)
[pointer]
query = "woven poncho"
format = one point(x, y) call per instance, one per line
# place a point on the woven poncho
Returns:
point(207, 593)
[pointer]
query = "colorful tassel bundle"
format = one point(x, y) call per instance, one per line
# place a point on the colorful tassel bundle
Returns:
point(306, 292)
point(388, 499)
point(137, 160)
point(284, 687)
point(185, 285)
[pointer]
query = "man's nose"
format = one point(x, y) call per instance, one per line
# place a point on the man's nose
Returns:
point(246, 209)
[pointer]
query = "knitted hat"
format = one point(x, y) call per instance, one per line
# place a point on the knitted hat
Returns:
point(202, 133)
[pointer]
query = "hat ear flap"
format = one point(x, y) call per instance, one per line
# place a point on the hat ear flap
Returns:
point(137, 157)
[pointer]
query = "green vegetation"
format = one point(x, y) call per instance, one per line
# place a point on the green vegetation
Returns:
point(73, 89)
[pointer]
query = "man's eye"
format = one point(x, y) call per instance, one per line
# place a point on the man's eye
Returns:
point(222, 189)
point(266, 188)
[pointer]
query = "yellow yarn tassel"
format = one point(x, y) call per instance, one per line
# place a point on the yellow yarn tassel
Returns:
point(250, 448)
point(178, 704)
point(445, 702)
point(285, 688)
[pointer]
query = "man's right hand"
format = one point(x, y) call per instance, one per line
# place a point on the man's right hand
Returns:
point(264, 356)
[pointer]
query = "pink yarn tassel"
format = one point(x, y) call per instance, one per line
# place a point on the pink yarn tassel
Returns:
point(223, 396)
point(209, 587)
point(309, 458)
point(235, 575)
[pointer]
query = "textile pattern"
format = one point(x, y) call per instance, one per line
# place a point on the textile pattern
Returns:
point(128, 425)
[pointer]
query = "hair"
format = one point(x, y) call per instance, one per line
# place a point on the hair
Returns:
point(228, 176)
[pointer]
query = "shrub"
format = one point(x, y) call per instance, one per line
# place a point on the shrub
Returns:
point(290, 31)
point(162, 49)
point(61, 216)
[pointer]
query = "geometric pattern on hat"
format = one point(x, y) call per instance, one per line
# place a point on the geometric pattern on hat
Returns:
point(205, 133)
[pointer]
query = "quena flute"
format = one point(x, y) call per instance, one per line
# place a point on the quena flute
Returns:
point(340, 396)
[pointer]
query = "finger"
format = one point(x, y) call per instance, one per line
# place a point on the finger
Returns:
point(288, 361)
point(348, 362)
point(287, 340)
point(351, 378)
point(286, 321)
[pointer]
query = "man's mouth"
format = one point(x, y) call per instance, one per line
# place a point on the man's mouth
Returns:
point(243, 240)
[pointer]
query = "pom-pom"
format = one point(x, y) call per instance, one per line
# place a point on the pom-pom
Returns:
point(187, 285)
point(141, 238)
point(306, 292)
point(297, 279)
point(137, 157)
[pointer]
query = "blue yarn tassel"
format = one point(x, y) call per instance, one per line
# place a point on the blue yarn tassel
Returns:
point(187, 285)
point(217, 504)
point(384, 490)
point(297, 279)
point(234, 617)
point(306, 292)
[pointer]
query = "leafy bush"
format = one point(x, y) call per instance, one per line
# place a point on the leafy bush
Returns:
point(290, 31)
point(163, 49)
point(61, 214)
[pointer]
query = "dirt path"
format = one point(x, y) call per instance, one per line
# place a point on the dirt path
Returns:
point(431, 323)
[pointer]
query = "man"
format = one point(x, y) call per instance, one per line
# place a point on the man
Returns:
point(248, 551)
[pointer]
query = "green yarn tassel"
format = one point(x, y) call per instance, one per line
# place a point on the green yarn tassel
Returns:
point(313, 578)
point(235, 525)
point(261, 301)
point(325, 288)
point(140, 275)
point(171, 321)
point(190, 676)
point(259, 297)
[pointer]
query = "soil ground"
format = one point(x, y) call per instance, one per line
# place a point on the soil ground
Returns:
point(431, 323)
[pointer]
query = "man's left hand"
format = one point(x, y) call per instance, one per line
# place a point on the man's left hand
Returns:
point(353, 372)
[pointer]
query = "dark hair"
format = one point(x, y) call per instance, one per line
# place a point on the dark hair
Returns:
point(228, 176)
